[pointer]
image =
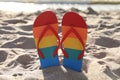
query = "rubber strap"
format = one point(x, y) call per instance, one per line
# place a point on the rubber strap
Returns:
point(79, 38)
point(48, 27)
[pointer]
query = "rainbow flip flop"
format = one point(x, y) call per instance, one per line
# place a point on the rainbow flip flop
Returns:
point(45, 31)
point(74, 32)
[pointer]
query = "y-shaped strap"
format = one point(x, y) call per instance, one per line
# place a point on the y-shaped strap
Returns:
point(47, 27)
point(79, 38)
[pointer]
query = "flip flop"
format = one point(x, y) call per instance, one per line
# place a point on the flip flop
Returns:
point(45, 31)
point(74, 32)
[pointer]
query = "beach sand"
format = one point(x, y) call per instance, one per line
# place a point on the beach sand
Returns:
point(19, 59)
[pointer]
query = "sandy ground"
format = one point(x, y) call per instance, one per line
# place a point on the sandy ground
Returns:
point(19, 59)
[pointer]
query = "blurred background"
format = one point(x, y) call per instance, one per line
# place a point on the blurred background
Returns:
point(68, 1)
point(18, 54)
point(80, 4)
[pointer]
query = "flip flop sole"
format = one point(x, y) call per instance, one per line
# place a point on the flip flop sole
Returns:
point(72, 45)
point(49, 60)
point(48, 43)
point(72, 62)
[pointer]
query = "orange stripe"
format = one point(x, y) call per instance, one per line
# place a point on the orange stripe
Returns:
point(80, 30)
point(37, 30)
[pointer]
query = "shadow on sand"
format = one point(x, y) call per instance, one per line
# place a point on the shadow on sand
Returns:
point(61, 73)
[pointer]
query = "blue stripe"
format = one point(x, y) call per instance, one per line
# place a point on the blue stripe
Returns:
point(54, 61)
point(72, 61)
point(73, 64)
point(49, 60)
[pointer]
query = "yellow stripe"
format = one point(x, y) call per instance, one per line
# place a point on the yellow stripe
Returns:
point(47, 41)
point(72, 43)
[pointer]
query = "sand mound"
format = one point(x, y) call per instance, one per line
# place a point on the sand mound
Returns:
point(3, 56)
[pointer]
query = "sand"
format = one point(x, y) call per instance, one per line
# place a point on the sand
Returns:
point(19, 59)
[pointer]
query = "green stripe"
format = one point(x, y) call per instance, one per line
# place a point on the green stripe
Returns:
point(72, 53)
point(48, 52)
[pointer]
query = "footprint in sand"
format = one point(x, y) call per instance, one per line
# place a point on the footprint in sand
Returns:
point(15, 21)
point(26, 27)
point(3, 56)
point(107, 42)
point(100, 55)
point(24, 59)
point(22, 42)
